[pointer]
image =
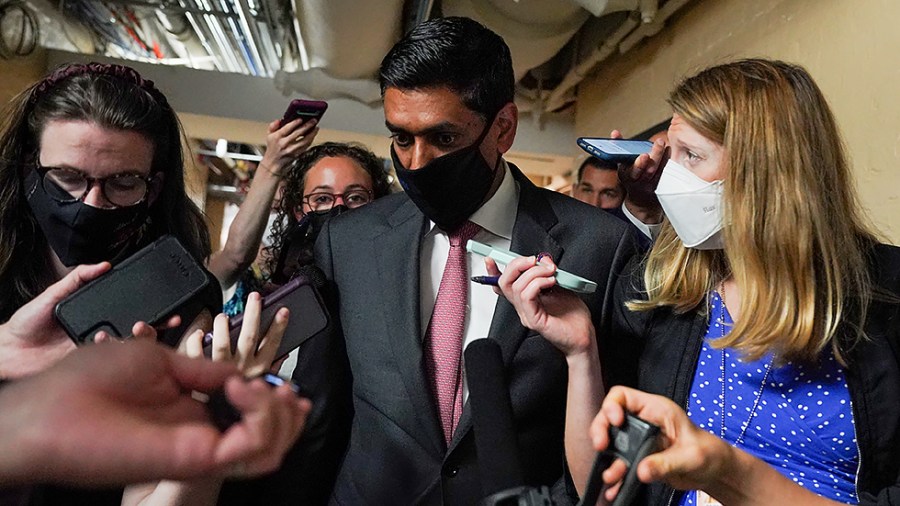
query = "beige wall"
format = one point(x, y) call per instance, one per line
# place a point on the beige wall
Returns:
point(849, 46)
point(19, 73)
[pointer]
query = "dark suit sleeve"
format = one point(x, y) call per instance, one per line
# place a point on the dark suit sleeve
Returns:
point(625, 341)
point(611, 341)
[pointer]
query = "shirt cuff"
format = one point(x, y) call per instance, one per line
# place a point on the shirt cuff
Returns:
point(650, 230)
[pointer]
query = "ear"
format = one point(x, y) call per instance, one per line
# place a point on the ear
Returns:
point(156, 187)
point(507, 122)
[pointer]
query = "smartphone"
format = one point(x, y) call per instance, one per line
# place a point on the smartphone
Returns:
point(564, 279)
point(614, 150)
point(149, 286)
point(305, 109)
point(631, 442)
point(308, 316)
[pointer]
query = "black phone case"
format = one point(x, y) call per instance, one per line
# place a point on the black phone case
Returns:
point(148, 286)
point(596, 152)
point(308, 315)
point(631, 442)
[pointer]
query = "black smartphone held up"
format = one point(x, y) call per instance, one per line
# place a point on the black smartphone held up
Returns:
point(149, 286)
point(631, 442)
point(304, 109)
point(308, 316)
point(614, 150)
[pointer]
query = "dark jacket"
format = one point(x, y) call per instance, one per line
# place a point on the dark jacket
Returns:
point(370, 374)
point(657, 351)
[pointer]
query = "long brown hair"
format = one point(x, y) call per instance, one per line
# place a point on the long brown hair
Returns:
point(795, 239)
point(112, 96)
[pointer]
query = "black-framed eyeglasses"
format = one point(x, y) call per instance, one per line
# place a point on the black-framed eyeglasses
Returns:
point(70, 185)
point(323, 201)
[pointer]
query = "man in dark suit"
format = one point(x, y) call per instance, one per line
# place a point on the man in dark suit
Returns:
point(448, 99)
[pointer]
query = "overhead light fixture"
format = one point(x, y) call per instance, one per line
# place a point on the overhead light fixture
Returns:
point(221, 148)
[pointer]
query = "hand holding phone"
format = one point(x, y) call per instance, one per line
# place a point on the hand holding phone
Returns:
point(305, 110)
point(308, 317)
point(631, 442)
point(564, 279)
point(614, 150)
point(150, 286)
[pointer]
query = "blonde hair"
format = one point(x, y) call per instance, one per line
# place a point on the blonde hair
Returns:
point(795, 240)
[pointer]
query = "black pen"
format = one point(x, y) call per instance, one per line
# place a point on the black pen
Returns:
point(486, 280)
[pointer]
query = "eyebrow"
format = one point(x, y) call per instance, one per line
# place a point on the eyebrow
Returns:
point(355, 186)
point(692, 147)
point(444, 126)
point(131, 172)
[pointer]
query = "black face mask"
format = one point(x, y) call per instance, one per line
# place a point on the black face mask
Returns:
point(449, 188)
point(81, 234)
point(315, 220)
point(300, 239)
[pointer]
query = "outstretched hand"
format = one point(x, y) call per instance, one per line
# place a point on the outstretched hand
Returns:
point(115, 414)
point(33, 339)
point(554, 312)
point(689, 458)
point(255, 351)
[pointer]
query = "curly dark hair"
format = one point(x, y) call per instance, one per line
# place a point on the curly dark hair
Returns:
point(295, 180)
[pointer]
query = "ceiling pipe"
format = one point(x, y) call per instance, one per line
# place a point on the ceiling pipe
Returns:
point(251, 35)
point(598, 8)
point(652, 28)
point(318, 84)
point(559, 97)
point(647, 21)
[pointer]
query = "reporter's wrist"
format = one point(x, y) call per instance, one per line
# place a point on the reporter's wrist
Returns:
point(730, 474)
point(586, 352)
point(266, 167)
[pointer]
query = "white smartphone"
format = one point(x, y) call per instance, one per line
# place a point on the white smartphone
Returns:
point(564, 279)
point(614, 150)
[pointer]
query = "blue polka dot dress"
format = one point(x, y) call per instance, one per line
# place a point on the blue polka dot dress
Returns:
point(797, 418)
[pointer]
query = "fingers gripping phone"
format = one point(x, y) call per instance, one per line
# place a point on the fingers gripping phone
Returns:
point(631, 442)
point(305, 110)
point(308, 316)
point(614, 150)
point(149, 286)
point(564, 279)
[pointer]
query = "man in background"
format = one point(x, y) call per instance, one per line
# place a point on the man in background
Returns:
point(598, 184)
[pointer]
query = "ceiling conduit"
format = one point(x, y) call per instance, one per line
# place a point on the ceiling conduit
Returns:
point(535, 30)
point(342, 66)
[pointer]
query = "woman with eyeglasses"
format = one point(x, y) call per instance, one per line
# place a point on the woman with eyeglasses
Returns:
point(91, 170)
point(326, 181)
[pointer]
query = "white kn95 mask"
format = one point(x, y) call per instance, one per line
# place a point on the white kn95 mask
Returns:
point(692, 205)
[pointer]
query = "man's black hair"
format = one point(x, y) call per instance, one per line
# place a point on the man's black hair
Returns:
point(457, 53)
point(594, 162)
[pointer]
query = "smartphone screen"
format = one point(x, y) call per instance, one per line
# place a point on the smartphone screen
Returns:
point(614, 148)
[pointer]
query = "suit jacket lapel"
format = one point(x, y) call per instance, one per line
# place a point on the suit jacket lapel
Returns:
point(398, 264)
point(531, 235)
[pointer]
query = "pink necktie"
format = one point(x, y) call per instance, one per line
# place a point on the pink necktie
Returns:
point(444, 335)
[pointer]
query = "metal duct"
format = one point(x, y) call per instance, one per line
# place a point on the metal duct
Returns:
point(348, 38)
point(535, 30)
